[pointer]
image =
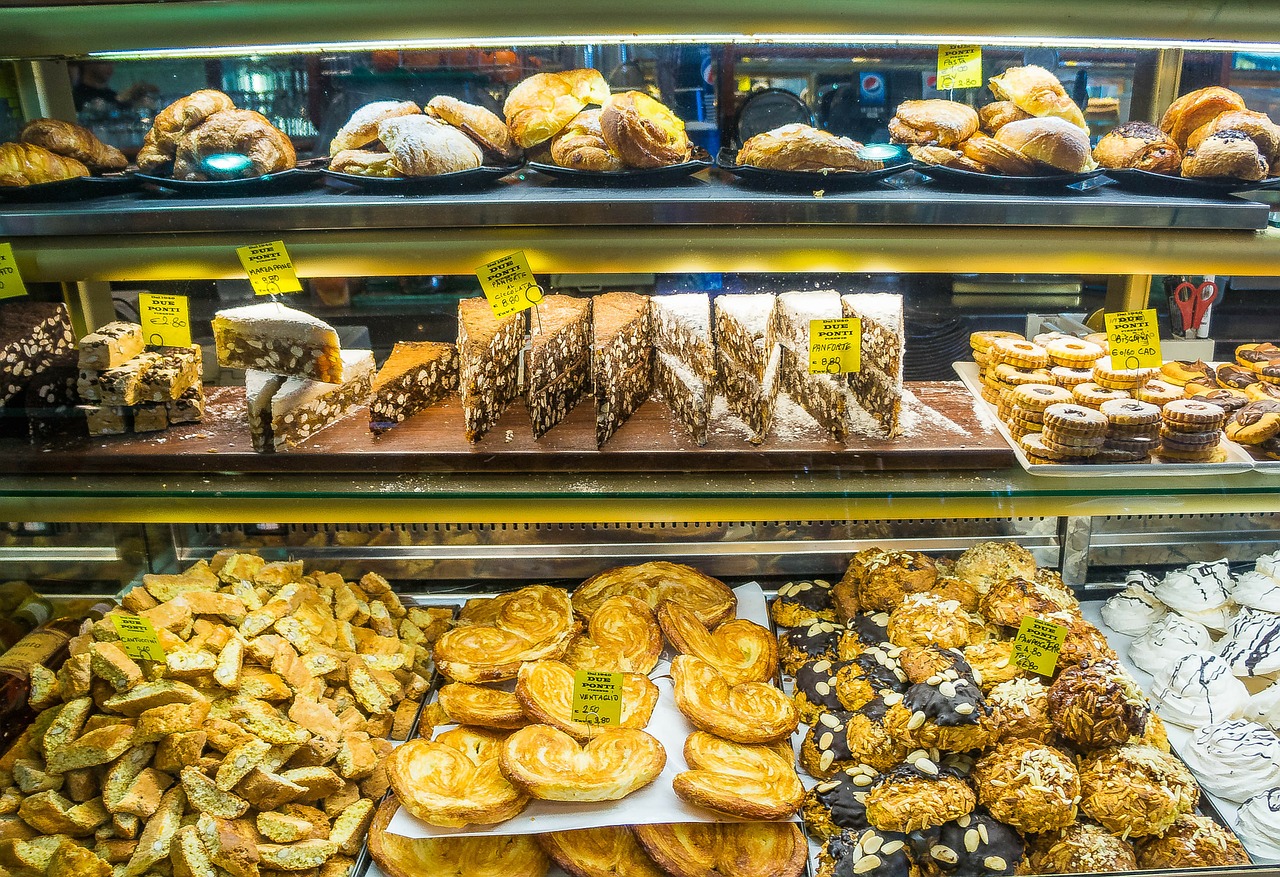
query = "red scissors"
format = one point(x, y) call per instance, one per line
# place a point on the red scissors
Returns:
point(1193, 301)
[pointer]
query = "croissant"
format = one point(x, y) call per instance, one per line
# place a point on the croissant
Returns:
point(804, 148)
point(1050, 141)
point(362, 128)
point(1196, 108)
point(1258, 126)
point(643, 131)
point(540, 106)
point(1139, 145)
point(364, 162)
point(933, 123)
point(174, 121)
point(73, 141)
point(25, 164)
point(943, 157)
point(488, 131)
point(581, 145)
point(992, 153)
point(1037, 91)
point(240, 132)
point(421, 146)
point(999, 113)
point(1227, 154)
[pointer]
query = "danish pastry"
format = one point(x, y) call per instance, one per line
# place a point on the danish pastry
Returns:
point(362, 128)
point(709, 599)
point(868, 740)
point(495, 636)
point(642, 131)
point(481, 856)
point(479, 705)
point(455, 779)
point(804, 148)
point(752, 782)
point(825, 751)
point(545, 690)
point(581, 145)
point(748, 712)
point(622, 636)
point(540, 106)
point(488, 131)
point(608, 851)
point(709, 849)
point(550, 765)
point(1020, 709)
point(741, 650)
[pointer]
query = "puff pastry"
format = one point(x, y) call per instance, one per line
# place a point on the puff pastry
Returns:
point(455, 779)
point(421, 146)
point(1037, 91)
point(653, 582)
point(488, 131)
point(642, 131)
point(549, 764)
point(174, 122)
point(243, 132)
point(622, 636)
point(364, 162)
point(540, 106)
point(362, 128)
point(944, 157)
point(73, 141)
point(933, 123)
point(749, 712)
point(804, 148)
point(997, 114)
point(581, 145)
point(753, 782)
point(1257, 126)
point(495, 636)
point(729, 849)
point(1196, 108)
point(545, 690)
point(479, 705)
point(1139, 145)
point(741, 650)
point(609, 851)
point(482, 856)
point(992, 153)
point(23, 164)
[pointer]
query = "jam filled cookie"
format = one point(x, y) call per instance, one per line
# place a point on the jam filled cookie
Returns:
point(801, 603)
point(867, 676)
point(800, 645)
point(1097, 704)
point(975, 845)
point(1092, 395)
point(918, 794)
point(870, 852)
point(1071, 424)
point(1016, 377)
point(1068, 378)
point(1038, 397)
point(839, 803)
point(1023, 354)
point(981, 342)
point(1193, 841)
point(825, 750)
point(1157, 392)
point(1192, 415)
point(1020, 709)
point(1040, 451)
point(943, 713)
point(1133, 790)
point(1120, 378)
point(1073, 352)
point(864, 631)
point(1083, 848)
point(1028, 785)
point(815, 689)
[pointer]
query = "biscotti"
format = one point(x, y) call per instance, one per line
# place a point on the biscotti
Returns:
point(416, 375)
point(273, 338)
point(286, 411)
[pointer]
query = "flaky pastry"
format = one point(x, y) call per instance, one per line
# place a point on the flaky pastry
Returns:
point(1050, 141)
point(23, 164)
point(608, 851)
point(997, 114)
point(642, 131)
point(581, 145)
point(540, 106)
point(799, 147)
point(242, 132)
point(422, 146)
point(73, 141)
point(488, 131)
point(1258, 127)
point(730, 849)
point(455, 779)
point(549, 764)
point(1138, 145)
point(467, 704)
point(991, 152)
point(362, 128)
point(709, 599)
point(364, 163)
point(1037, 91)
point(173, 122)
point(495, 636)
point(933, 123)
point(480, 856)
point(753, 782)
point(622, 636)
point(545, 690)
point(749, 712)
point(1196, 108)
point(943, 157)
point(741, 650)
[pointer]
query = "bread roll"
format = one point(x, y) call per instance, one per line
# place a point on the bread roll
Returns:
point(1197, 108)
point(804, 148)
point(581, 145)
point(73, 141)
point(540, 106)
point(933, 123)
point(25, 164)
point(943, 157)
point(424, 147)
point(1139, 145)
point(1229, 154)
point(643, 132)
point(362, 128)
point(488, 131)
point(1258, 126)
point(1037, 91)
point(1050, 141)
point(997, 114)
point(240, 132)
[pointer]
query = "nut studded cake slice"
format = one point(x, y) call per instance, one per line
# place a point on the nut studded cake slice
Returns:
point(744, 330)
point(111, 345)
point(287, 411)
point(177, 370)
point(416, 375)
point(795, 310)
point(617, 400)
point(31, 332)
point(682, 328)
point(272, 338)
point(878, 385)
point(751, 399)
point(686, 394)
point(557, 359)
point(553, 402)
point(488, 363)
point(621, 357)
point(482, 406)
point(824, 396)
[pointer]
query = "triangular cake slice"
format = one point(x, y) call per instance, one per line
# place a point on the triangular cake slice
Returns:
point(272, 338)
point(793, 313)
point(621, 358)
point(416, 375)
point(687, 395)
point(682, 328)
point(287, 411)
point(552, 403)
point(557, 363)
point(878, 385)
point(825, 397)
point(488, 363)
point(744, 329)
point(752, 399)
point(483, 403)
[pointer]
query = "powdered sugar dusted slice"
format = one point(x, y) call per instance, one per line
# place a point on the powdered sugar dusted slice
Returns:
point(795, 310)
point(752, 399)
point(824, 396)
point(416, 375)
point(682, 328)
point(744, 329)
point(287, 411)
point(273, 338)
point(687, 395)
point(878, 384)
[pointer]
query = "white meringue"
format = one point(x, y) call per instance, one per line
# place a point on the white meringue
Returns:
point(1257, 590)
point(1167, 640)
point(1132, 611)
point(1264, 707)
point(1252, 648)
point(1269, 564)
point(1140, 578)
point(1234, 759)
point(1258, 826)
point(1198, 690)
point(1199, 587)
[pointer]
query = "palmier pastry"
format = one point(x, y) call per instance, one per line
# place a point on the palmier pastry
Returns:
point(362, 128)
point(1013, 599)
point(933, 123)
point(1083, 848)
point(709, 599)
point(488, 131)
point(1196, 108)
point(741, 650)
point(541, 105)
point(479, 856)
point(995, 155)
point(495, 636)
point(918, 794)
point(22, 164)
point(1050, 141)
point(1257, 126)
point(1134, 790)
point(987, 563)
point(1030, 786)
point(997, 114)
point(1020, 709)
point(1037, 91)
point(1138, 145)
point(455, 779)
point(479, 705)
point(73, 141)
point(753, 782)
point(607, 851)
point(581, 145)
point(944, 157)
point(1097, 704)
point(425, 147)
point(799, 147)
point(975, 845)
point(868, 852)
point(1193, 841)
point(642, 131)
point(623, 636)
point(803, 602)
point(545, 690)
point(240, 132)
point(1229, 154)
point(942, 712)
point(748, 712)
point(549, 764)
point(731, 849)
point(174, 122)
point(364, 163)
point(839, 803)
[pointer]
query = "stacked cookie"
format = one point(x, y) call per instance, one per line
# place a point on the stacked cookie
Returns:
point(1257, 425)
point(1192, 431)
point(1071, 434)
point(1006, 360)
point(130, 386)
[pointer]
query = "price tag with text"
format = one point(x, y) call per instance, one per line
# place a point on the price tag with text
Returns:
point(835, 346)
point(138, 638)
point(597, 697)
point(164, 319)
point(1134, 337)
point(959, 67)
point(1037, 645)
point(11, 285)
point(509, 285)
point(269, 267)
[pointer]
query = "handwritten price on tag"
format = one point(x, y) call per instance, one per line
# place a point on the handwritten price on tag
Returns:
point(269, 268)
point(835, 346)
point(597, 697)
point(11, 285)
point(165, 320)
point(959, 67)
point(1134, 337)
point(138, 638)
point(1037, 645)
point(509, 285)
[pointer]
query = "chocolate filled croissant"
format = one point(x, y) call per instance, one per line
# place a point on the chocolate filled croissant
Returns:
point(1138, 145)
point(1258, 126)
point(25, 164)
point(239, 132)
point(73, 141)
point(1227, 154)
point(1196, 108)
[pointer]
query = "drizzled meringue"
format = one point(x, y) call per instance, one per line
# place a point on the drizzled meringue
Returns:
point(1234, 759)
point(1167, 640)
point(1198, 690)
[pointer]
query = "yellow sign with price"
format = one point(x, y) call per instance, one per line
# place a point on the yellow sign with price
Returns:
point(509, 285)
point(165, 320)
point(959, 67)
point(835, 346)
point(11, 285)
point(269, 268)
point(1134, 337)
point(138, 638)
point(1038, 644)
point(597, 697)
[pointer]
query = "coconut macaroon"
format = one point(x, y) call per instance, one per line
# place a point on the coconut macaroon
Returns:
point(1193, 841)
point(1083, 848)
point(1033, 787)
point(1135, 790)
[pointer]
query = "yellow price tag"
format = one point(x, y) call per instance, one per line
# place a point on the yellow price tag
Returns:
point(1037, 645)
point(165, 319)
point(835, 346)
point(597, 697)
point(959, 67)
point(269, 267)
point(509, 285)
point(11, 285)
point(138, 638)
point(1134, 337)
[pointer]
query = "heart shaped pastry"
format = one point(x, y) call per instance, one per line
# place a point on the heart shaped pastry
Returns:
point(753, 782)
point(479, 705)
point(749, 712)
point(495, 636)
point(653, 582)
point(481, 856)
point(741, 650)
point(545, 690)
point(622, 636)
point(597, 852)
point(549, 764)
point(731, 849)
point(454, 779)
